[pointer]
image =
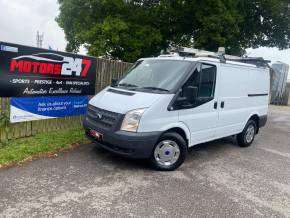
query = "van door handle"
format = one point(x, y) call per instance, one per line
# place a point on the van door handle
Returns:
point(215, 105)
point(222, 104)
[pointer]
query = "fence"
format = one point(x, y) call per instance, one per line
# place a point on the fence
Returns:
point(106, 71)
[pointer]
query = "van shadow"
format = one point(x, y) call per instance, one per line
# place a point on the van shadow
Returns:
point(118, 162)
point(210, 150)
point(215, 145)
point(201, 153)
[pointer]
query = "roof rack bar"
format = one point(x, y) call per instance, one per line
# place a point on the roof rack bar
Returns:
point(191, 52)
point(259, 61)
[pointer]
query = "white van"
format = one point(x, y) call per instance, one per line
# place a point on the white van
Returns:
point(165, 105)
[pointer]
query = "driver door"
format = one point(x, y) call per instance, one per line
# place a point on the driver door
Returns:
point(199, 112)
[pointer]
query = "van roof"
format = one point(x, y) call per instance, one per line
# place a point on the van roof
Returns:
point(195, 59)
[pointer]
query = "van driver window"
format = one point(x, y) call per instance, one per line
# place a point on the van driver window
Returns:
point(203, 79)
point(207, 81)
point(193, 81)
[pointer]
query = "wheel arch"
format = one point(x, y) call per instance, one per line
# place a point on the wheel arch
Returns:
point(256, 118)
point(181, 129)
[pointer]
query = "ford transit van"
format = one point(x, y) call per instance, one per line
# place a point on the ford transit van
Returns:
point(163, 106)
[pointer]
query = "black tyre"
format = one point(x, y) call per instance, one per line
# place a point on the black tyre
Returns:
point(169, 152)
point(246, 137)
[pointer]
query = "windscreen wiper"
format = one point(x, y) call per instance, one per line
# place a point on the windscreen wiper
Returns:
point(155, 88)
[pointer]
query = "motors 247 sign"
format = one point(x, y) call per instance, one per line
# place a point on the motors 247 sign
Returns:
point(29, 71)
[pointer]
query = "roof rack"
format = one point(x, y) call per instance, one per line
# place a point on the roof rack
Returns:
point(191, 52)
point(258, 61)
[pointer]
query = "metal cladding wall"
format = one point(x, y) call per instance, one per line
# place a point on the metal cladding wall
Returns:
point(279, 90)
point(288, 87)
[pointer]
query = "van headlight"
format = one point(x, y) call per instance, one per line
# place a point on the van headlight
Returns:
point(132, 119)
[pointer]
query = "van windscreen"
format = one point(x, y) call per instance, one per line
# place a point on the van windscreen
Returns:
point(156, 75)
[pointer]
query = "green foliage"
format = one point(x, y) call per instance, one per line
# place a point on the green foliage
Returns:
point(129, 29)
point(4, 118)
point(4, 126)
point(25, 148)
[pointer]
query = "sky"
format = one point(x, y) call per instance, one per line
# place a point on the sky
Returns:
point(21, 19)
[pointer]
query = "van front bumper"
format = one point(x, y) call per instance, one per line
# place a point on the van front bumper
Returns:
point(128, 144)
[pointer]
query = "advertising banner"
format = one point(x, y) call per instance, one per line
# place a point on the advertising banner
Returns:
point(29, 71)
point(38, 108)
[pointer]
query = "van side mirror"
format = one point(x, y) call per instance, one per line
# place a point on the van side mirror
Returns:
point(189, 95)
point(114, 82)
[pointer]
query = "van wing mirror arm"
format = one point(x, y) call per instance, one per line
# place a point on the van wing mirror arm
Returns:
point(114, 82)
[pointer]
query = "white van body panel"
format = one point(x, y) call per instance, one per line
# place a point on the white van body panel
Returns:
point(123, 103)
point(158, 117)
point(236, 84)
point(201, 121)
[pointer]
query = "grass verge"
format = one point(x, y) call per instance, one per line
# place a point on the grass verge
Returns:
point(24, 149)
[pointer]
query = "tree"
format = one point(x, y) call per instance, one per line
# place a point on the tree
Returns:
point(129, 29)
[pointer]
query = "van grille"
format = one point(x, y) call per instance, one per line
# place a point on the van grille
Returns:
point(103, 119)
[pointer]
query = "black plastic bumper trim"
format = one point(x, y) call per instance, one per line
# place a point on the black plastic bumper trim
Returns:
point(128, 144)
point(263, 120)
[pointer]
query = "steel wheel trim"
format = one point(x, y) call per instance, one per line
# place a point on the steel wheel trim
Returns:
point(250, 133)
point(166, 153)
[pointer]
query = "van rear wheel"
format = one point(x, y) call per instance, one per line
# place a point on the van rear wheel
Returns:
point(169, 152)
point(246, 137)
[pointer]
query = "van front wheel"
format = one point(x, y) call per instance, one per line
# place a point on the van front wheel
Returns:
point(246, 137)
point(169, 152)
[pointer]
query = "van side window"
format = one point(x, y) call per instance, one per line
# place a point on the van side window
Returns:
point(207, 81)
point(199, 88)
point(193, 81)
